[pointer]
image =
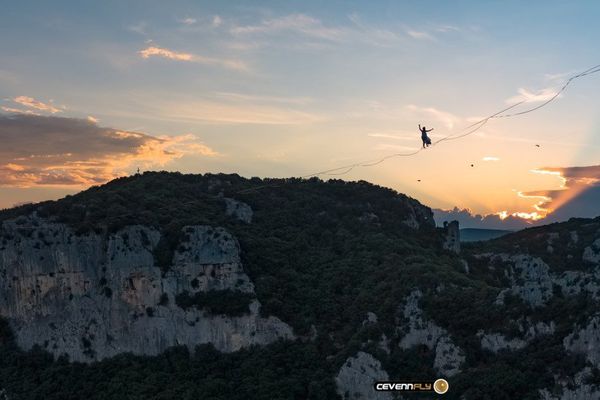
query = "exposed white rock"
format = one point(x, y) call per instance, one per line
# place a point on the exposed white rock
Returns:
point(586, 341)
point(448, 356)
point(369, 217)
point(417, 214)
point(384, 343)
point(466, 265)
point(576, 389)
point(532, 331)
point(530, 279)
point(575, 282)
point(552, 236)
point(496, 342)
point(411, 221)
point(238, 209)
point(94, 296)
point(592, 253)
point(370, 319)
point(574, 237)
point(420, 332)
point(579, 392)
point(356, 378)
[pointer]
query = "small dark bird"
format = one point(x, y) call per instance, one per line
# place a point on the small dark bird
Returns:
point(537, 145)
point(418, 180)
point(472, 165)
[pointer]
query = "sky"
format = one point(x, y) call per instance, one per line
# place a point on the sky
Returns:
point(90, 91)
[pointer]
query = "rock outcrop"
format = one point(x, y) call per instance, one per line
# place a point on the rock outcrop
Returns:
point(238, 209)
point(418, 215)
point(530, 279)
point(356, 378)
point(574, 388)
point(586, 340)
point(93, 296)
point(592, 253)
point(448, 356)
point(496, 342)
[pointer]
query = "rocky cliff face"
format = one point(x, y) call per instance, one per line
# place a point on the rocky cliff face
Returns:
point(93, 296)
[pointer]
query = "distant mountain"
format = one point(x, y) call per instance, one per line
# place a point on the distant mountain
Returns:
point(474, 234)
point(166, 285)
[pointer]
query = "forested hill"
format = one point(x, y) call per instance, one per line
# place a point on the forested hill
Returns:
point(214, 286)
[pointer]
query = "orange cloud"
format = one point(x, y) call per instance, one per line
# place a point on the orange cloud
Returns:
point(574, 181)
point(41, 151)
point(38, 105)
point(154, 51)
point(18, 111)
point(533, 216)
point(173, 55)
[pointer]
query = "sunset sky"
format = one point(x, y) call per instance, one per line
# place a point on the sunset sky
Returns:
point(90, 91)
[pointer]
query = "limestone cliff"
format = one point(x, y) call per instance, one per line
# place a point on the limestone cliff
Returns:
point(94, 295)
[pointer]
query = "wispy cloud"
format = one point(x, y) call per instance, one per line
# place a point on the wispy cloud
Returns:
point(296, 23)
point(489, 158)
point(447, 118)
point(217, 21)
point(373, 34)
point(447, 28)
point(30, 102)
point(188, 21)
point(419, 34)
point(18, 111)
point(41, 151)
point(154, 51)
point(139, 28)
point(433, 32)
point(532, 97)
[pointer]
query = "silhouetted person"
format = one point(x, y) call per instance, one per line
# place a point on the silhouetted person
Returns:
point(424, 137)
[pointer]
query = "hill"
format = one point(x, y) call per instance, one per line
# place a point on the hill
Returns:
point(200, 286)
point(474, 234)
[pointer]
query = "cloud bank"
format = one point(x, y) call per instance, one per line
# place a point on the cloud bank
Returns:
point(48, 150)
point(579, 196)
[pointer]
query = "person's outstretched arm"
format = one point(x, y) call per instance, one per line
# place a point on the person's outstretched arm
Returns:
point(429, 130)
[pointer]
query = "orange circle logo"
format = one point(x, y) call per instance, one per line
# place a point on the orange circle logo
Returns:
point(440, 386)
